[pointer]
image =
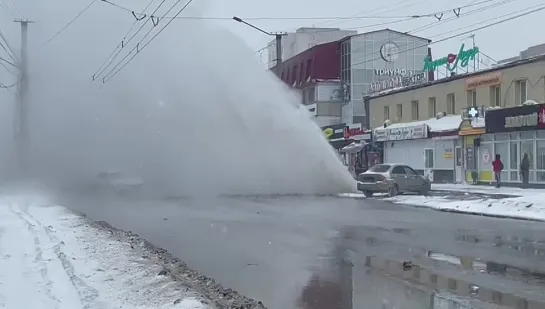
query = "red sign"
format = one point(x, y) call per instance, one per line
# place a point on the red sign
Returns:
point(348, 133)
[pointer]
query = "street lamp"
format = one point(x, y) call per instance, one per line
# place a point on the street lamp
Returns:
point(278, 39)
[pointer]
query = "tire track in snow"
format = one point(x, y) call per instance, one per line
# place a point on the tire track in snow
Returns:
point(88, 295)
point(39, 259)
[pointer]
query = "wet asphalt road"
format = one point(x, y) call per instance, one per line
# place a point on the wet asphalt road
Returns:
point(331, 252)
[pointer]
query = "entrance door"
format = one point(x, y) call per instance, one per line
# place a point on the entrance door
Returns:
point(459, 162)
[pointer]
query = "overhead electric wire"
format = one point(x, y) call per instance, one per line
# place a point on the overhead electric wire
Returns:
point(9, 62)
point(8, 46)
point(329, 18)
point(462, 33)
point(110, 75)
point(6, 87)
point(435, 23)
point(71, 21)
point(124, 43)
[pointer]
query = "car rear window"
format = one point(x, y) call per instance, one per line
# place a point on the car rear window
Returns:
point(379, 168)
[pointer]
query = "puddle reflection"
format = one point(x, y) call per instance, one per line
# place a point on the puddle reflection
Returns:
point(353, 280)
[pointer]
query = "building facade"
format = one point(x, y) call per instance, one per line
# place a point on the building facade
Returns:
point(371, 58)
point(314, 74)
point(501, 86)
point(302, 39)
point(473, 97)
point(513, 132)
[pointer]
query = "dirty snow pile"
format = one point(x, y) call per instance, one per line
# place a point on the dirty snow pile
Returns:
point(526, 203)
point(50, 258)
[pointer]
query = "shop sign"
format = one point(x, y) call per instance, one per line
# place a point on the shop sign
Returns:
point(390, 72)
point(334, 132)
point(520, 118)
point(401, 133)
point(357, 134)
point(398, 81)
point(487, 80)
point(452, 61)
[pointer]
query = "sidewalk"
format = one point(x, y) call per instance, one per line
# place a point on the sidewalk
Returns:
point(527, 204)
point(51, 259)
point(487, 189)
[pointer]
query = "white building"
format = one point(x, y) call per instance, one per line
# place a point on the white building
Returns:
point(303, 39)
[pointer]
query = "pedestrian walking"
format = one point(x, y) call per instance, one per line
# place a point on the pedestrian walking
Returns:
point(498, 167)
point(525, 170)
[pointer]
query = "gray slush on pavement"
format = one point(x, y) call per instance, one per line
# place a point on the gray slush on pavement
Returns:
point(219, 296)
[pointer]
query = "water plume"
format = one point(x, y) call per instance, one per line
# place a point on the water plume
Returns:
point(195, 113)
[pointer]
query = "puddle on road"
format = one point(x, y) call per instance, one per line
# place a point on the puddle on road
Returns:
point(432, 280)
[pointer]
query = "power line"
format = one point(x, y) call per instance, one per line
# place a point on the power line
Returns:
point(156, 34)
point(330, 18)
point(124, 43)
point(9, 62)
point(462, 33)
point(121, 44)
point(7, 45)
point(7, 87)
point(71, 22)
point(433, 24)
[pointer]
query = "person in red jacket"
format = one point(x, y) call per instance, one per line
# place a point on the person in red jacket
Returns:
point(498, 167)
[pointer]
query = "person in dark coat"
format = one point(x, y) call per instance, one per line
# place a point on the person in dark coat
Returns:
point(525, 170)
point(498, 167)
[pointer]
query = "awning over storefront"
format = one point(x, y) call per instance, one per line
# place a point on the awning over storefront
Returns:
point(470, 127)
point(418, 130)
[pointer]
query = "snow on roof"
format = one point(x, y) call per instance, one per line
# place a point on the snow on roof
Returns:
point(444, 124)
point(477, 122)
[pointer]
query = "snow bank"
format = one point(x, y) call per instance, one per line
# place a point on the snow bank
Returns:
point(444, 124)
point(530, 207)
point(51, 258)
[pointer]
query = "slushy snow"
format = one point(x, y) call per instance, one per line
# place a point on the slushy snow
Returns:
point(52, 259)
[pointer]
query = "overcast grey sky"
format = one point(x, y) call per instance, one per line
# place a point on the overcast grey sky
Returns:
point(499, 41)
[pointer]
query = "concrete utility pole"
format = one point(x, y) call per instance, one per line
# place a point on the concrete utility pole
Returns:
point(278, 42)
point(22, 134)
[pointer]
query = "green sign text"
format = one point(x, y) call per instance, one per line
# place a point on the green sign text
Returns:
point(452, 61)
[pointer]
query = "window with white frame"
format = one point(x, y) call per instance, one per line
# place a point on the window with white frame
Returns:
point(521, 94)
point(432, 107)
point(429, 158)
point(386, 113)
point(471, 98)
point(451, 104)
point(495, 96)
point(414, 110)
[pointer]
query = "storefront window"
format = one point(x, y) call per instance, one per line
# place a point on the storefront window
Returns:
point(501, 137)
point(514, 136)
point(527, 135)
point(487, 138)
point(485, 160)
point(513, 161)
point(540, 134)
point(429, 158)
point(528, 147)
point(503, 151)
point(540, 160)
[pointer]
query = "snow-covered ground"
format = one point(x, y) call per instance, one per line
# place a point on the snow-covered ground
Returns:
point(50, 258)
point(478, 200)
point(487, 189)
point(525, 207)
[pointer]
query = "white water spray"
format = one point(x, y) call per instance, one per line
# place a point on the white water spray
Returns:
point(195, 113)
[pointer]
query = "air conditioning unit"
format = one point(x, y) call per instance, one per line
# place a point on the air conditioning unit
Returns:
point(440, 115)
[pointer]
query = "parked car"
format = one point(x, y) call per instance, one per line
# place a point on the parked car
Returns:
point(392, 179)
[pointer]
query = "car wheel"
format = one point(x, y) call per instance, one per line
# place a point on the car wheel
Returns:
point(393, 191)
point(368, 193)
